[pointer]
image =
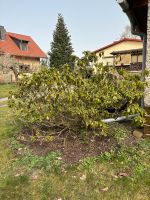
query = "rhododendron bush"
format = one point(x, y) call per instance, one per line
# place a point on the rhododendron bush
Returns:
point(77, 99)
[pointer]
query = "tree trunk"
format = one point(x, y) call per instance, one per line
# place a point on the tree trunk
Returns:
point(16, 75)
point(15, 72)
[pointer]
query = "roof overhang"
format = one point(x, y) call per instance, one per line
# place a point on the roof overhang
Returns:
point(117, 42)
point(131, 51)
point(136, 11)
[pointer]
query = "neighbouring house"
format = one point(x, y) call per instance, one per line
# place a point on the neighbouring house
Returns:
point(23, 49)
point(138, 12)
point(130, 60)
point(121, 52)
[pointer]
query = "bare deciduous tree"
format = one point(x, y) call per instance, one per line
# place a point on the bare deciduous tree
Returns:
point(7, 63)
point(127, 33)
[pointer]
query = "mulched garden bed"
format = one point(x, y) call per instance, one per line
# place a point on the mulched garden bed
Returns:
point(73, 149)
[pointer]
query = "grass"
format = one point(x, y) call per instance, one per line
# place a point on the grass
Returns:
point(121, 174)
point(5, 89)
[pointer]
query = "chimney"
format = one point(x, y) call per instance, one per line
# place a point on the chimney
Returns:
point(2, 33)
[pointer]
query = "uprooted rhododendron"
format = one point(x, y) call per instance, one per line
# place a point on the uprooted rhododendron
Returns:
point(77, 99)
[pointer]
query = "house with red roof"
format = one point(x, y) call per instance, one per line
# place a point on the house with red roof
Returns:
point(124, 53)
point(23, 48)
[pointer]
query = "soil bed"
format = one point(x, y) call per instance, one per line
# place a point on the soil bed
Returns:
point(73, 149)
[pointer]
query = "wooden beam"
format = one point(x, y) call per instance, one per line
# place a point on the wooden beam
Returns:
point(139, 3)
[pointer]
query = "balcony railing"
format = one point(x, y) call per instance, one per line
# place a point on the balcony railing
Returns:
point(132, 67)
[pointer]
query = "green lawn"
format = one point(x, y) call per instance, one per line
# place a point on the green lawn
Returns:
point(6, 88)
point(116, 175)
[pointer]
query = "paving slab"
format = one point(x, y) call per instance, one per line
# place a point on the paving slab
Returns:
point(3, 99)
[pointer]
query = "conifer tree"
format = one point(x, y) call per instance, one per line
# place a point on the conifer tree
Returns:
point(61, 47)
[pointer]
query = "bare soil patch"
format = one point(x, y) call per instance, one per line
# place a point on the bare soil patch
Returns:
point(73, 149)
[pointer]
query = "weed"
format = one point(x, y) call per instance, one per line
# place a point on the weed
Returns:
point(15, 145)
point(107, 156)
point(51, 162)
point(118, 131)
point(87, 163)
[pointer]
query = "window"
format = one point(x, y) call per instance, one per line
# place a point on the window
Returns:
point(24, 68)
point(108, 64)
point(22, 45)
point(20, 68)
point(27, 68)
point(17, 42)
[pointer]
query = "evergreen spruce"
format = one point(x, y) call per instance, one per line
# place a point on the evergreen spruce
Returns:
point(61, 47)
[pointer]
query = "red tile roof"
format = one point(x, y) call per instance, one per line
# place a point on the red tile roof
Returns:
point(117, 42)
point(9, 46)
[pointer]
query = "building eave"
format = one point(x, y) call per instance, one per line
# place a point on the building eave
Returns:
point(117, 42)
point(127, 51)
point(136, 10)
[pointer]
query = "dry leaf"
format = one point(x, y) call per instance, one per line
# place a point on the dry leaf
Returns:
point(104, 189)
point(123, 174)
point(115, 177)
point(83, 177)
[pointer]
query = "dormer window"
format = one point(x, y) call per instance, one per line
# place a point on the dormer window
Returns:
point(22, 44)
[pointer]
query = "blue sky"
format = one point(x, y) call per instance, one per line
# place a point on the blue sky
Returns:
point(91, 23)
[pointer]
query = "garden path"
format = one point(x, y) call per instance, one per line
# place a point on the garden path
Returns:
point(3, 100)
